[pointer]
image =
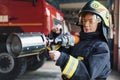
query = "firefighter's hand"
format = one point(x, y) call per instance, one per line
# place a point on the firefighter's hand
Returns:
point(54, 55)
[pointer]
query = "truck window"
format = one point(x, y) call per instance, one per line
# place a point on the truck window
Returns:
point(57, 22)
point(54, 3)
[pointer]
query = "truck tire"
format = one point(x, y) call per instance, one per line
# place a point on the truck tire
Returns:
point(11, 68)
point(33, 63)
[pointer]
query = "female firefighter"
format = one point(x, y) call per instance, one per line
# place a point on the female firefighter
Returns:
point(89, 59)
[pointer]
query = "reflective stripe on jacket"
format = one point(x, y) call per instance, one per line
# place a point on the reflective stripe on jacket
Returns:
point(93, 65)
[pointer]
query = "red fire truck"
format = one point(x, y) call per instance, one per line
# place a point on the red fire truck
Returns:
point(21, 16)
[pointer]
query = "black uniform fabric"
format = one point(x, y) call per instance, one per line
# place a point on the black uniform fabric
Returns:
point(96, 63)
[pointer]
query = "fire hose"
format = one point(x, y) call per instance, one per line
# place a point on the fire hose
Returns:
point(19, 44)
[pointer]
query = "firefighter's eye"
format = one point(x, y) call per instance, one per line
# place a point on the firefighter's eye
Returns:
point(88, 21)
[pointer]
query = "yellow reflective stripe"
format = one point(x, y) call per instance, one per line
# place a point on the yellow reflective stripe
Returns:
point(56, 47)
point(80, 58)
point(48, 47)
point(70, 67)
point(73, 69)
point(67, 66)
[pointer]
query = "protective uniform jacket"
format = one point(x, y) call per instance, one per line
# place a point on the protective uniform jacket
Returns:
point(88, 60)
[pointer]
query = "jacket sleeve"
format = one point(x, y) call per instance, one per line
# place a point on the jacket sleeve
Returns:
point(74, 69)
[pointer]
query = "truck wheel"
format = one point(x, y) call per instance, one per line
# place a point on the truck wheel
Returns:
point(33, 63)
point(11, 68)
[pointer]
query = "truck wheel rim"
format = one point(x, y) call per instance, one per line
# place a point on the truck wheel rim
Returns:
point(6, 63)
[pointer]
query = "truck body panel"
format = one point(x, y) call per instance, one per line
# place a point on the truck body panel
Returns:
point(29, 17)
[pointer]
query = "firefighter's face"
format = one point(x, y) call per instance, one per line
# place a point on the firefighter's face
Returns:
point(89, 22)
